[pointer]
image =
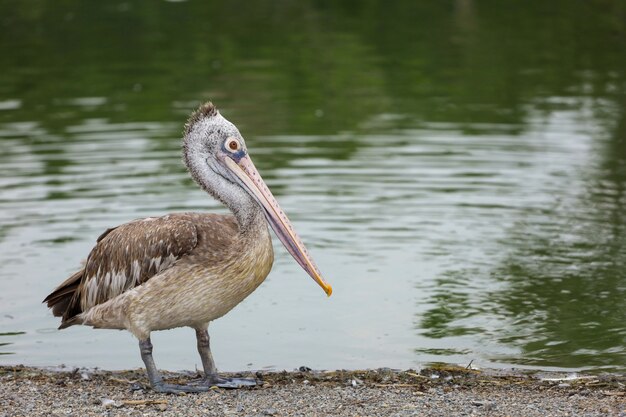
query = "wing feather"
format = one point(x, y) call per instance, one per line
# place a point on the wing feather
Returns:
point(129, 255)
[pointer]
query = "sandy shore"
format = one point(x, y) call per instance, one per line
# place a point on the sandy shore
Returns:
point(443, 391)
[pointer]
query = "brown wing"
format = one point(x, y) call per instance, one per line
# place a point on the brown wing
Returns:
point(123, 258)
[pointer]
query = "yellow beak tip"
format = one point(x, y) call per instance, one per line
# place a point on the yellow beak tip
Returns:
point(328, 290)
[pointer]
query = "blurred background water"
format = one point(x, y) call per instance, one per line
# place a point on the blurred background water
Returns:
point(457, 168)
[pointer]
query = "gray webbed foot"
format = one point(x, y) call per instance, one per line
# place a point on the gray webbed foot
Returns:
point(226, 383)
point(164, 388)
point(156, 382)
point(203, 385)
point(232, 383)
point(211, 378)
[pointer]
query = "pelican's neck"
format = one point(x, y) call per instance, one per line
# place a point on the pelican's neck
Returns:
point(249, 216)
point(247, 211)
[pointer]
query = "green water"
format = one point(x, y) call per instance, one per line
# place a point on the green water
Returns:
point(457, 169)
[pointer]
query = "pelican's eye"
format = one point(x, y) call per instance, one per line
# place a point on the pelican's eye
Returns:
point(233, 145)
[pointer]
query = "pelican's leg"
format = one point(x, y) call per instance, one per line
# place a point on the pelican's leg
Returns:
point(145, 346)
point(210, 371)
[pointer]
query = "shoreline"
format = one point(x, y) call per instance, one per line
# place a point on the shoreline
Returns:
point(435, 391)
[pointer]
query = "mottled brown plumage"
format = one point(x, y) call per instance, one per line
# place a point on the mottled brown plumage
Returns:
point(124, 257)
point(185, 253)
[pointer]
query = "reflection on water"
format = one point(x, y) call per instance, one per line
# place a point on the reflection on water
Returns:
point(457, 169)
point(5, 345)
point(554, 286)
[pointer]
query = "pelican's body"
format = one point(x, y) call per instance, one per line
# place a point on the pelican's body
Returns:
point(219, 267)
point(185, 269)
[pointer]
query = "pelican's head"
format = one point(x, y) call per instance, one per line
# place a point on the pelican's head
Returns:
point(217, 158)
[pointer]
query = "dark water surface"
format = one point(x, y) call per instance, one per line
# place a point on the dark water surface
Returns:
point(457, 168)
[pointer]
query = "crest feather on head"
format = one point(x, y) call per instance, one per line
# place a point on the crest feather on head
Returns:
point(207, 109)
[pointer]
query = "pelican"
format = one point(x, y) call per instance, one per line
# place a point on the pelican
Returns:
point(186, 269)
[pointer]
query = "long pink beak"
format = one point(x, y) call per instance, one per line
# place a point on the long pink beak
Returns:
point(247, 173)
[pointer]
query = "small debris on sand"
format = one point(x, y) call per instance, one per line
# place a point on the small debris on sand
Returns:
point(436, 391)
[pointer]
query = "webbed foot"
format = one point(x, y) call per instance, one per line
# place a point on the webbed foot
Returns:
point(164, 388)
point(232, 383)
